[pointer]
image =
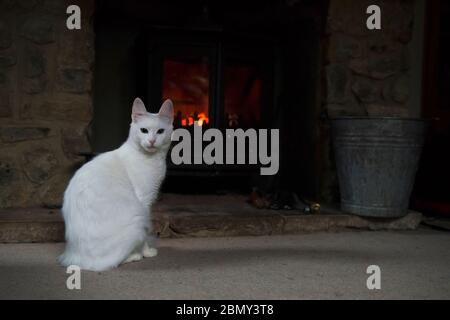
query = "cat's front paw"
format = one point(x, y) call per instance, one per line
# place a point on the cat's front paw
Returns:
point(133, 257)
point(149, 252)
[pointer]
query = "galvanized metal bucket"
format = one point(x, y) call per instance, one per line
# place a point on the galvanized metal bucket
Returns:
point(377, 160)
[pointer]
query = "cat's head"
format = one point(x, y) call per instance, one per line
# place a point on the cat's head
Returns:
point(151, 131)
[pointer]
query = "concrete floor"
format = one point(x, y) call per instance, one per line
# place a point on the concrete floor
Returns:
point(414, 265)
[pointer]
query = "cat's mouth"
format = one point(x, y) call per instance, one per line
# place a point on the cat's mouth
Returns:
point(151, 149)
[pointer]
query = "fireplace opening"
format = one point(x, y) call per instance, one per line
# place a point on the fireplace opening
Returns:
point(225, 65)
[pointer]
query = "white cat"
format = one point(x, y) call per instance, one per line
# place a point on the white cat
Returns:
point(107, 203)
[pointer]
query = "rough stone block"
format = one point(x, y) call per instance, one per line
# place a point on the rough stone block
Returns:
point(347, 16)
point(35, 63)
point(3, 79)
point(74, 80)
point(343, 48)
point(51, 194)
point(224, 225)
point(28, 4)
point(5, 104)
point(398, 90)
point(350, 108)
point(38, 28)
point(11, 191)
point(67, 109)
point(7, 171)
point(55, 6)
point(383, 61)
point(8, 58)
point(75, 142)
point(35, 85)
point(31, 231)
point(76, 49)
point(338, 83)
point(5, 35)
point(7, 4)
point(386, 110)
point(39, 164)
point(365, 89)
point(16, 134)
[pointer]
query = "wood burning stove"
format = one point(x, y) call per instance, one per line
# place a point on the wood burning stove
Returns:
point(219, 80)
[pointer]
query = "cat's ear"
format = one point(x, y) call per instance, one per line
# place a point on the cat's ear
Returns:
point(138, 110)
point(166, 110)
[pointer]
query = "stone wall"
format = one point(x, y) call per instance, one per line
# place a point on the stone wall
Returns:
point(366, 72)
point(45, 99)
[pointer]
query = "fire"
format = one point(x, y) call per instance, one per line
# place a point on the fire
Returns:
point(186, 83)
point(202, 118)
point(189, 121)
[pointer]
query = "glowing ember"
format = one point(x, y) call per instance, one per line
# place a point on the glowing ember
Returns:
point(201, 119)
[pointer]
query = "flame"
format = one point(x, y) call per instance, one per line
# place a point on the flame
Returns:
point(202, 118)
point(189, 120)
point(187, 84)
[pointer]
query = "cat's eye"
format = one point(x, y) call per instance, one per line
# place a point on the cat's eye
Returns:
point(160, 131)
point(144, 130)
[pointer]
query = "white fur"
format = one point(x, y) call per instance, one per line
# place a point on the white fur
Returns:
point(107, 203)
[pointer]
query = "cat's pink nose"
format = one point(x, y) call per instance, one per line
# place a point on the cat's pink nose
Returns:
point(152, 142)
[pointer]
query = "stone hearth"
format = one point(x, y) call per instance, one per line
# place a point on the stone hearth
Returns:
point(178, 216)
